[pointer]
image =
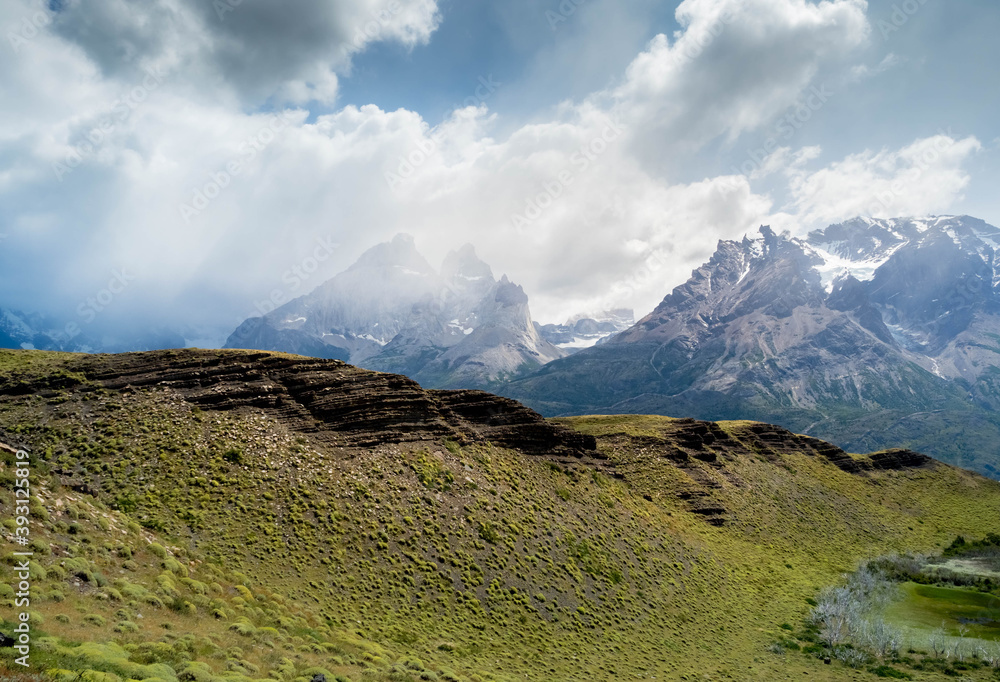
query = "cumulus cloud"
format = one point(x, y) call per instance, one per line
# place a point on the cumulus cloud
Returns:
point(925, 177)
point(734, 67)
point(291, 50)
point(208, 201)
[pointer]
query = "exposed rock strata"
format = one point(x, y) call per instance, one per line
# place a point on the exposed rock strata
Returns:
point(351, 406)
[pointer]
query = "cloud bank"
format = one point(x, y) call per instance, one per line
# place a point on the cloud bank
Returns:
point(177, 142)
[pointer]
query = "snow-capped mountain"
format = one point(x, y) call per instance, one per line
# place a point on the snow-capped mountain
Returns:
point(870, 333)
point(355, 314)
point(503, 344)
point(935, 283)
point(392, 311)
point(586, 330)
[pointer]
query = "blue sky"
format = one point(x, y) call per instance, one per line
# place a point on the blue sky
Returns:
point(515, 41)
point(935, 83)
point(206, 153)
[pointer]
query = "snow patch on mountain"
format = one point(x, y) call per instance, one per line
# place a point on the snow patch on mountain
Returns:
point(833, 267)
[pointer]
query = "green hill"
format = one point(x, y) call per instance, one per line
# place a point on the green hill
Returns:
point(233, 515)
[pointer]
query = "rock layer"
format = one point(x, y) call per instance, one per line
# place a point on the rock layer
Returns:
point(351, 407)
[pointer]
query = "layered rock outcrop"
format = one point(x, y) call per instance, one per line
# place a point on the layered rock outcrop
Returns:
point(349, 406)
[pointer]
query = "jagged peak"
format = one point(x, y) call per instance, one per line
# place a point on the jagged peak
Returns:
point(463, 263)
point(510, 294)
point(401, 252)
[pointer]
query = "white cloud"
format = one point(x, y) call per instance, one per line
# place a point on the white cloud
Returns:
point(863, 71)
point(925, 177)
point(785, 160)
point(291, 50)
point(611, 231)
point(736, 65)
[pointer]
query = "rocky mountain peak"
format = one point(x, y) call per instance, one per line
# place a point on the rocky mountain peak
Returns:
point(400, 253)
point(392, 312)
point(506, 305)
point(509, 294)
point(867, 317)
point(464, 264)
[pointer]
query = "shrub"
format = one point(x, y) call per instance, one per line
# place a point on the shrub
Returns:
point(175, 567)
point(196, 672)
point(889, 671)
point(195, 586)
point(243, 628)
point(94, 619)
point(489, 533)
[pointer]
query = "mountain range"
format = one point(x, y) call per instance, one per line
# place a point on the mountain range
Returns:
point(392, 311)
point(866, 333)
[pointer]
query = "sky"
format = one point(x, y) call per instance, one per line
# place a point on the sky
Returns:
point(186, 155)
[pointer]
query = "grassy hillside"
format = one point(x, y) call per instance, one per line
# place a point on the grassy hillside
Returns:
point(175, 540)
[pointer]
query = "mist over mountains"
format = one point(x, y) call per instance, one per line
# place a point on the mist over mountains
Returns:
point(392, 311)
point(869, 333)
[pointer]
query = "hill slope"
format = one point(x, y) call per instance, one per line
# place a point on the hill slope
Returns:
point(268, 515)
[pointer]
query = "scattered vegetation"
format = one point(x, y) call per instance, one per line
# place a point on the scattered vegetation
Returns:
point(880, 618)
point(163, 556)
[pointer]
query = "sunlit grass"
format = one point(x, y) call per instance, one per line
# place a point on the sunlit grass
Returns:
point(473, 562)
